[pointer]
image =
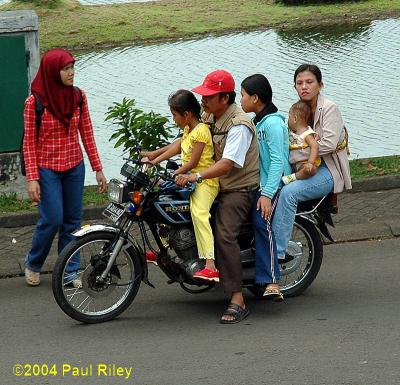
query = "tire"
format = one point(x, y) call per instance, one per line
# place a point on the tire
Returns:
point(73, 300)
point(298, 273)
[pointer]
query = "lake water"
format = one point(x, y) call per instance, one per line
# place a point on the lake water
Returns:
point(359, 64)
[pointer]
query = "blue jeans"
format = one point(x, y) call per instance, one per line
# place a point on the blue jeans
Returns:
point(267, 266)
point(60, 211)
point(314, 187)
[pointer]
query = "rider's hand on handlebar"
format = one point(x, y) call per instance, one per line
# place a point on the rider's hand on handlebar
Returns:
point(145, 159)
point(150, 155)
point(182, 180)
point(148, 161)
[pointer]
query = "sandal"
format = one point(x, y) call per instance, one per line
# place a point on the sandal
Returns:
point(237, 312)
point(274, 294)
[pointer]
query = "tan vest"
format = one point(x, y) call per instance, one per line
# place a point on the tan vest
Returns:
point(247, 177)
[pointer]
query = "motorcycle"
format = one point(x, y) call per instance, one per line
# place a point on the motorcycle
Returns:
point(113, 261)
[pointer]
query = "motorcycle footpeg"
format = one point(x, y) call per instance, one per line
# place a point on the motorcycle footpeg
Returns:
point(179, 279)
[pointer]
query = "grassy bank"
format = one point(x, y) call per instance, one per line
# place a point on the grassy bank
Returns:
point(365, 168)
point(360, 168)
point(10, 203)
point(66, 23)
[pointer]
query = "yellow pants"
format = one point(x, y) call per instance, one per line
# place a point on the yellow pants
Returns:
point(201, 200)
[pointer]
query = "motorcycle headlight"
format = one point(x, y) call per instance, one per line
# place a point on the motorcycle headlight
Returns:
point(118, 191)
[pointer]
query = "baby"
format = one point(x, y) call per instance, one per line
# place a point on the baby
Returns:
point(303, 144)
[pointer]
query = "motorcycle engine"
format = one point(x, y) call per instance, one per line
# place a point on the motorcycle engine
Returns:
point(183, 241)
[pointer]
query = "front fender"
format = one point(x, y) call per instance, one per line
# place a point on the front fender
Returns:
point(321, 226)
point(132, 246)
point(87, 229)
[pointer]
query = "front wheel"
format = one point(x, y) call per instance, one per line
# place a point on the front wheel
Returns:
point(76, 285)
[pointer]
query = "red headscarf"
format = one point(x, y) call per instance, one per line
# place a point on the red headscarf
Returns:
point(59, 99)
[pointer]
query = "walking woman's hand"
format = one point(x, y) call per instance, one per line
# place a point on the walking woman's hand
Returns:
point(264, 205)
point(34, 190)
point(101, 181)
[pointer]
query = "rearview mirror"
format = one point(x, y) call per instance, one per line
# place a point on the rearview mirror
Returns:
point(171, 165)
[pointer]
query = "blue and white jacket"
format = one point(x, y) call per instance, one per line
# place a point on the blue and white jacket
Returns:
point(273, 144)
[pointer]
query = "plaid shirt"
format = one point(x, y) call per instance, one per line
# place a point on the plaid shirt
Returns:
point(57, 149)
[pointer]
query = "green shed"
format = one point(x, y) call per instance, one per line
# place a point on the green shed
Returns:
point(19, 62)
point(18, 30)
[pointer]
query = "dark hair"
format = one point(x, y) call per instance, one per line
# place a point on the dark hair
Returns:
point(258, 84)
point(314, 69)
point(231, 96)
point(302, 110)
point(184, 100)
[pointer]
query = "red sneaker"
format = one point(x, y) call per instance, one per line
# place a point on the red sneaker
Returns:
point(151, 257)
point(207, 274)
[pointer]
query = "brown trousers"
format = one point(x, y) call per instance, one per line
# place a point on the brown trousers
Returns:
point(233, 210)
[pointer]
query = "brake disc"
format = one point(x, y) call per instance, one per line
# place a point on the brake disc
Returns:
point(97, 289)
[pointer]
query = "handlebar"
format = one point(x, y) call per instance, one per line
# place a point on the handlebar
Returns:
point(167, 176)
point(136, 161)
point(165, 173)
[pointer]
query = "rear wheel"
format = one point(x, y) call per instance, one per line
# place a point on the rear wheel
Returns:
point(76, 284)
point(303, 258)
point(302, 263)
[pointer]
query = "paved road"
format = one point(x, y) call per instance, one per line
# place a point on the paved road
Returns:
point(343, 331)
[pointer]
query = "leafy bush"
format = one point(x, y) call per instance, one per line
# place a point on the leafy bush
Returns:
point(136, 128)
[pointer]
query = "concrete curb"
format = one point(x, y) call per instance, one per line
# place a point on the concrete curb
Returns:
point(384, 228)
point(378, 183)
point(30, 218)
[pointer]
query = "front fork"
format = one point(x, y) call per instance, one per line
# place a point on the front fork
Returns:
point(113, 256)
point(124, 240)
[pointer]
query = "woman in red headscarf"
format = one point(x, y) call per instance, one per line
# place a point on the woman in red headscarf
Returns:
point(55, 170)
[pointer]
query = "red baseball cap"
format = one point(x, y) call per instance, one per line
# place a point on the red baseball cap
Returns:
point(216, 82)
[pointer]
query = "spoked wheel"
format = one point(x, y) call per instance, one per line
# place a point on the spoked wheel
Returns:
point(78, 287)
point(302, 262)
point(303, 259)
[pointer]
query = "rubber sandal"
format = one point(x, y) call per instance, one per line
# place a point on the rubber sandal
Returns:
point(32, 278)
point(237, 312)
point(274, 294)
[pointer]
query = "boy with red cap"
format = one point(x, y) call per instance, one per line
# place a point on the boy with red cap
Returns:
point(236, 156)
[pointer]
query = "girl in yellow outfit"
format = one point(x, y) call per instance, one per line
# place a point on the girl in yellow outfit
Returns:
point(197, 151)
